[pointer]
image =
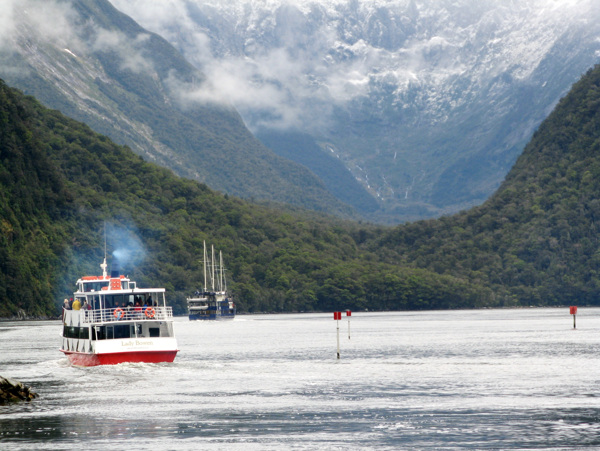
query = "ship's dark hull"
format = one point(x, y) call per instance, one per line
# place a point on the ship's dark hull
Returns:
point(211, 315)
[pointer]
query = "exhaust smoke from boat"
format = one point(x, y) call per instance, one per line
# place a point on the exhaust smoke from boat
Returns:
point(128, 249)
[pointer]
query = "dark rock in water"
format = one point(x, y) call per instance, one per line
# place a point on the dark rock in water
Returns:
point(13, 391)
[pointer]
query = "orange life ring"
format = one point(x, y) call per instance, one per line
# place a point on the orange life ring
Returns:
point(119, 313)
point(150, 312)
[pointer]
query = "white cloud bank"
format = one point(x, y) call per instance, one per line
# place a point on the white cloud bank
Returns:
point(26, 24)
point(284, 62)
point(47, 18)
point(290, 63)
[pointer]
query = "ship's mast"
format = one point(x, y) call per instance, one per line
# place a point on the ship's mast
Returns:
point(212, 268)
point(205, 287)
point(103, 264)
point(221, 271)
point(214, 273)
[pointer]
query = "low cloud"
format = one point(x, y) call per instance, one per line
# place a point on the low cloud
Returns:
point(286, 63)
point(129, 51)
point(25, 24)
point(281, 87)
point(47, 18)
point(291, 63)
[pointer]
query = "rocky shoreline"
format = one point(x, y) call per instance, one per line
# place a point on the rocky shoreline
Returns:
point(14, 391)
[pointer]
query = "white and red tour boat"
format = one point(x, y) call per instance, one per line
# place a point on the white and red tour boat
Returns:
point(113, 321)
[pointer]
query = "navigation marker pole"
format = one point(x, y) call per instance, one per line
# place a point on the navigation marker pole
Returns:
point(348, 315)
point(337, 316)
point(573, 311)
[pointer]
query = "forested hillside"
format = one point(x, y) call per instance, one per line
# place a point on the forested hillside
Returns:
point(428, 103)
point(33, 201)
point(536, 240)
point(60, 183)
point(99, 66)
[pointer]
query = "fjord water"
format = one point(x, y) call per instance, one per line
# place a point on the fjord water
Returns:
point(487, 379)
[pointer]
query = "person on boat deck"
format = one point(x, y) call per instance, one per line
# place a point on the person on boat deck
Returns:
point(130, 310)
point(76, 304)
point(85, 305)
point(115, 308)
point(138, 309)
point(66, 305)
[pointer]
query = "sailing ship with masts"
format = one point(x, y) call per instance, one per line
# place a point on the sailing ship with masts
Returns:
point(213, 302)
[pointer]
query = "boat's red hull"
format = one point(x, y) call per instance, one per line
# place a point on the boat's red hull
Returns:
point(88, 359)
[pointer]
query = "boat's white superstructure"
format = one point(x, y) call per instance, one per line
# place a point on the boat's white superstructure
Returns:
point(112, 321)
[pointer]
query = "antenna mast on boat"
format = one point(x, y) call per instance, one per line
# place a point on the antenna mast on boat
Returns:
point(103, 265)
point(221, 271)
point(212, 268)
point(205, 287)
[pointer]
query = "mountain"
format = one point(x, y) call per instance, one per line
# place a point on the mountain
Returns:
point(97, 65)
point(427, 103)
point(67, 194)
point(534, 242)
point(537, 239)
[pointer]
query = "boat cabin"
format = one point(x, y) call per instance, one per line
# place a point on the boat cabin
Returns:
point(109, 308)
point(112, 321)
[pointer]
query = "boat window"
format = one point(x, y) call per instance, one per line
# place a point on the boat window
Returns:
point(110, 332)
point(154, 331)
point(122, 299)
point(138, 298)
point(70, 332)
point(100, 332)
point(122, 331)
point(76, 332)
point(94, 286)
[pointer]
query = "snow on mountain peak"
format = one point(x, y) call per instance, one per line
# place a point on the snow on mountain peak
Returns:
point(363, 75)
point(337, 48)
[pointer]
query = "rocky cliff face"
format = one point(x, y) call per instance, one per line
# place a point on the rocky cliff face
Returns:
point(97, 65)
point(427, 102)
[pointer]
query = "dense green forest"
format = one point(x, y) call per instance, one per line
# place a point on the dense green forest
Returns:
point(533, 243)
point(139, 91)
point(60, 183)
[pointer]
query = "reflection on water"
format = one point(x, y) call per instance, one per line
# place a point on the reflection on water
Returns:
point(494, 379)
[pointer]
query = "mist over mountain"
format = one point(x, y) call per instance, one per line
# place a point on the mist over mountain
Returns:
point(536, 241)
point(427, 102)
point(95, 64)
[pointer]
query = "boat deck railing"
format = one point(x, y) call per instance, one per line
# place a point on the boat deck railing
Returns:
point(125, 314)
